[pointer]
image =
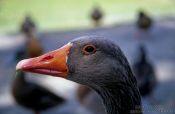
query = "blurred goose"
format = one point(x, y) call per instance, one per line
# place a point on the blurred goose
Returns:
point(96, 63)
point(96, 16)
point(144, 22)
point(28, 26)
point(33, 96)
point(145, 73)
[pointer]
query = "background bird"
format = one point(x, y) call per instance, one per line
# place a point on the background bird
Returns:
point(33, 96)
point(144, 22)
point(28, 26)
point(144, 72)
point(96, 16)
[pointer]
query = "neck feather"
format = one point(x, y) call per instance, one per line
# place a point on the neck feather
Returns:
point(121, 99)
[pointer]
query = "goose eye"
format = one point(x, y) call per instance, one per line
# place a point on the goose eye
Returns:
point(89, 49)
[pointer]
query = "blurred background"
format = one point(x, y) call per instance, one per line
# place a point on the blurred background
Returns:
point(144, 29)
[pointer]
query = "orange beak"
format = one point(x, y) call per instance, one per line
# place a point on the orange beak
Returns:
point(53, 63)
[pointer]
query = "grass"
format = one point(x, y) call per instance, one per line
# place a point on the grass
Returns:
point(70, 14)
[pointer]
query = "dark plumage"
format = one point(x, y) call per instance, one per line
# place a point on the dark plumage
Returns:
point(144, 22)
point(96, 16)
point(96, 63)
point(144, 72)
point(33, 96)
point(28, 26)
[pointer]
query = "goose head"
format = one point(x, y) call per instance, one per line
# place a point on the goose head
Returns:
point(95, 62)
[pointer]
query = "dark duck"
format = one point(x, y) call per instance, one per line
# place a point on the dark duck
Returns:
point(144, 72)
point(96, 63)
point(144, 22)
point(33, 96)
point(96, 16)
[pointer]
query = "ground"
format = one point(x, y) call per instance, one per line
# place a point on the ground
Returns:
point(160, 42)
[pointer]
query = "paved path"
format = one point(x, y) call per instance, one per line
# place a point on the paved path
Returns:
point(160, 42)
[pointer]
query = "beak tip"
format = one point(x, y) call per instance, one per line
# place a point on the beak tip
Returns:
point(21, 64)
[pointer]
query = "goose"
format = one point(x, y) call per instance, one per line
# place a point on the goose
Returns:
point(28, 26)
point(96, 15)
point(97, 63)
point(144, 22)
point(144, 72)
point(33, 96)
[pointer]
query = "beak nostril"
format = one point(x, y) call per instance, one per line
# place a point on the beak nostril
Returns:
point(47, 58)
